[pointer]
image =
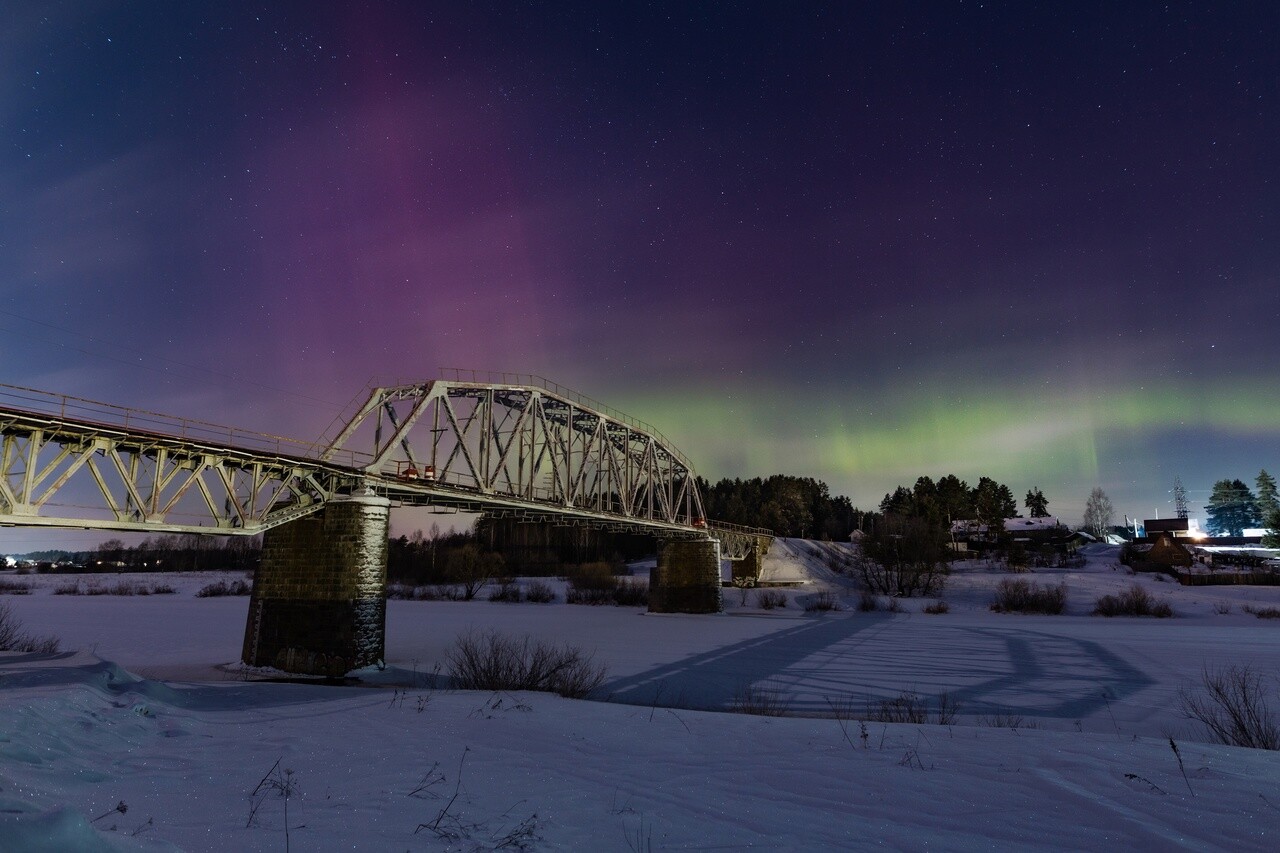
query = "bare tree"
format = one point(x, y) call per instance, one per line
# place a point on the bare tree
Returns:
point(1098, 512)
point(903, 556)
point(471, 568)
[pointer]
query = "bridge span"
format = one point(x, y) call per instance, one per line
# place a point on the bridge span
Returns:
point(496, 444)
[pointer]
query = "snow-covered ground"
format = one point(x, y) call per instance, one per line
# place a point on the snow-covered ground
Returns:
point(152, 712)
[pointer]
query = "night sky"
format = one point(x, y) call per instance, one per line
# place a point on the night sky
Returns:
point(860, 242)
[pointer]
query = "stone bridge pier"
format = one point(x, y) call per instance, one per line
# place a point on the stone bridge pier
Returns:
point(687, 577)
point(746, 572)
point(319, 595)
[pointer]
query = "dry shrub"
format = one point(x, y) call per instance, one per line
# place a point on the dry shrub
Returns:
point(768, 599)
point(14, 639)
point(910, 707)
point(1263, 612)
point(1134, 601)
point(487, 660)
point(539, 592)
point(868, 602)
point(631, 593)
point(822, 602)
point(937, 607)
point(8, 587)
point(762, 700)
point(1015, 595)
point(508, 592)
point(595, 583)
point(1233, 707)
point(236, 587)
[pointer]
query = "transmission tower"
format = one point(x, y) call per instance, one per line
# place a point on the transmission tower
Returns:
point(1179, 497)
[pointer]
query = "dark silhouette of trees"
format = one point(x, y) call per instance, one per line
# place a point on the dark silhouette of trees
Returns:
point(1037, 504)
point(1231, 508)
point(789, 506)
point(903, 555)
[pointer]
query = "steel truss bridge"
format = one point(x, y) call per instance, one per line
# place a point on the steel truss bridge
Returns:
point(497, 444)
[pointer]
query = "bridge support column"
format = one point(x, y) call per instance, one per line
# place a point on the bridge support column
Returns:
point(687, 577)
point(747, 570)
point(319, 602)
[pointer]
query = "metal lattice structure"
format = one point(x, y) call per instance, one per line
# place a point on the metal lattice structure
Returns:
point(522, 449)
point(527, 449)
point(69, 462)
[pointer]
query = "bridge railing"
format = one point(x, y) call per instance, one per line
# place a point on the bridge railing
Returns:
point(86, 411)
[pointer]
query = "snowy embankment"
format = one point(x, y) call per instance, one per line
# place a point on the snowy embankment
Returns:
point(377, 766)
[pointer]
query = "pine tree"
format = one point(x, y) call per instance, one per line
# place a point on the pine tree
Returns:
point(1266, 499)
point(1271, 539)
point(1231, 508)
point(1098, 512)
point(1037, 504)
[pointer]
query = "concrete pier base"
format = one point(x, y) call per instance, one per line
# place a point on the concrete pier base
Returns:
point(687, 577)
point(746, 572)
point(319, 602)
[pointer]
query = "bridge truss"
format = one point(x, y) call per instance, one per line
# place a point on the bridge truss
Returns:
point(527, 449)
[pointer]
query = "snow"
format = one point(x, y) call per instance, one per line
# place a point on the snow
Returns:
point(153, 712)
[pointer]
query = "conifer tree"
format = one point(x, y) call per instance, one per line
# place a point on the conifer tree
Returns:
point(1231, 508)
point(1037, 504)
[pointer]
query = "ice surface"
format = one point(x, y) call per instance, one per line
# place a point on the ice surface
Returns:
point(159, 719)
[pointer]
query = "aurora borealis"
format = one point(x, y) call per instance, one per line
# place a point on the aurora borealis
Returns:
point(859, 242)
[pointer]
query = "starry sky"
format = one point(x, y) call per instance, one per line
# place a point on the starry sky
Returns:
point(855, 241)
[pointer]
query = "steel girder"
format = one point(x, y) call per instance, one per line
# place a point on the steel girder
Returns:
point(533, 452)
point(56, 472)
point(522, 450)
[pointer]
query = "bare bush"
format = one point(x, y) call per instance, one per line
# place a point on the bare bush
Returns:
point(768, 599)
point(903, 557)
point(14, 639)
point(221, 588)
point(1015, 595)
point(1262, 612)
point(1007, 720)
point(906, 707)
point(487, 660)
point(1233, 707)
point(868, 602)
point(910, 707)
point(539, 592)
point(762, 700)
point(937, 607)
point(508, 592)
point(595, 583)
point(822, 602)
point(8, 587)
point(631, 593)
point(1134, 601)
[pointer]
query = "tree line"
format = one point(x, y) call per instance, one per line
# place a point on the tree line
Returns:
point(951, 499)
point(799, 507)
point(1233, 507)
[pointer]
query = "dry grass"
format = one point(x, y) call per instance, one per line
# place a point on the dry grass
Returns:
point(762, 700)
